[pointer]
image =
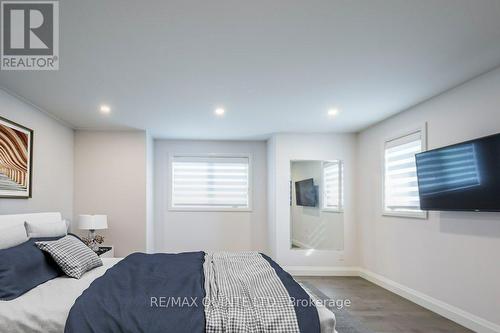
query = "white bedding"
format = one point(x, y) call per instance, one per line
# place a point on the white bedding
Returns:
point(46, 307)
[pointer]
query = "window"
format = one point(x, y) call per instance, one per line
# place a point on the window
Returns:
point(210, 183)
point(332, 186)
point(401, 187)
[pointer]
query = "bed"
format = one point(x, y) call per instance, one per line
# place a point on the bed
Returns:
point(103, 298)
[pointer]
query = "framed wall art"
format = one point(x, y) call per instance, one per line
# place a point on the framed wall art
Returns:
point(16, 160)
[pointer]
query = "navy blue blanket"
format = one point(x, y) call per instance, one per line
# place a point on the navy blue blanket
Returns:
point(160, 293)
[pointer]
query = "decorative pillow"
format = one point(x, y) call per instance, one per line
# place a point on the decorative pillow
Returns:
point(12, 236)
point(23, 267)
point(74, 257)
point(51, 229)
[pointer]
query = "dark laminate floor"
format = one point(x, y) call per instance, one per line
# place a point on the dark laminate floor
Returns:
point(380, 310)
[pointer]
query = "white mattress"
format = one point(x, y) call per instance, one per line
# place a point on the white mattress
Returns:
point(46, 307)
point(327, 318)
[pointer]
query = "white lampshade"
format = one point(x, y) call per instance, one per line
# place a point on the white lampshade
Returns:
point(93, 222)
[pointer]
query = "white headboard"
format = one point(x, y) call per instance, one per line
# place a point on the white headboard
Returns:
point(35, 218)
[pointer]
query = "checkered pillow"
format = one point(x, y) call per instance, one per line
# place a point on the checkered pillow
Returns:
point(74, 257)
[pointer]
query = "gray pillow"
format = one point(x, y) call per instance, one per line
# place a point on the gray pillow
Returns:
point(12, 236)
point(74, 257)
point(50, 229)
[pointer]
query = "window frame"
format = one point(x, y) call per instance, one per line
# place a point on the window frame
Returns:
point(170, 180)
point(422, 215)
point(340, 208)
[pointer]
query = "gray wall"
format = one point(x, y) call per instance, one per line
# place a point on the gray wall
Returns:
point(193, 231)
point(52, 160)
point(111, 179)
point(452, 256)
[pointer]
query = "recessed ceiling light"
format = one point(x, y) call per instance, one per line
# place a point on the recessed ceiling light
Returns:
point(105, 109)
point(219, 111)
point(333, 112)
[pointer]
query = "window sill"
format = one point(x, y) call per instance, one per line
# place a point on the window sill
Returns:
point(419, 216)
point(207, 209)
point(329, 210)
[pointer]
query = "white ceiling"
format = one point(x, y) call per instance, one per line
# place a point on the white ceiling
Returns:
point(274, 65)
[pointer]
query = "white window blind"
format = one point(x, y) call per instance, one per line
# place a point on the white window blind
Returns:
point(210, 182)
point(401, 186)
point(332, 185)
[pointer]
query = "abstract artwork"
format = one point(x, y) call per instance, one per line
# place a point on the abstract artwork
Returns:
point(16, 149)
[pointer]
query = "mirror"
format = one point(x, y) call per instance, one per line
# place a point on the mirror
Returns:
point(316, 205)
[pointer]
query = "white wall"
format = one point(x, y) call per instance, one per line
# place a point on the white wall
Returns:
point(271, 197)
point(110, 178)
point(193, 231)
point(52, 160)
point(313, 227)
point(149, 194)
point(453, 257)
point(288, 147)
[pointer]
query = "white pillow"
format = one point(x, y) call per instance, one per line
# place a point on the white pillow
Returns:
point(12, 236)
point(49, 229)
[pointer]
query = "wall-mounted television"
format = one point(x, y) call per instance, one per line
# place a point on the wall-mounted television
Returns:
point(461, 177)
point(305, 193)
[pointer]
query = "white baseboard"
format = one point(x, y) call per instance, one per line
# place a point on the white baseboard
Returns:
point(446, 310)
point(322, 271)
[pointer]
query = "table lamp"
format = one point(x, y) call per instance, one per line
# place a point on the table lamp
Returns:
point(93, 223)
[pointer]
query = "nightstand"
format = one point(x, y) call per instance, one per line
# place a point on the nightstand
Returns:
point(106, 252)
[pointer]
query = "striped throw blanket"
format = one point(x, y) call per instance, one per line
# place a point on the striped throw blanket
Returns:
point(244, 294)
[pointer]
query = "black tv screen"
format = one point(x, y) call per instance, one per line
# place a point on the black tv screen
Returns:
point(461, 177)
point(305, 193)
